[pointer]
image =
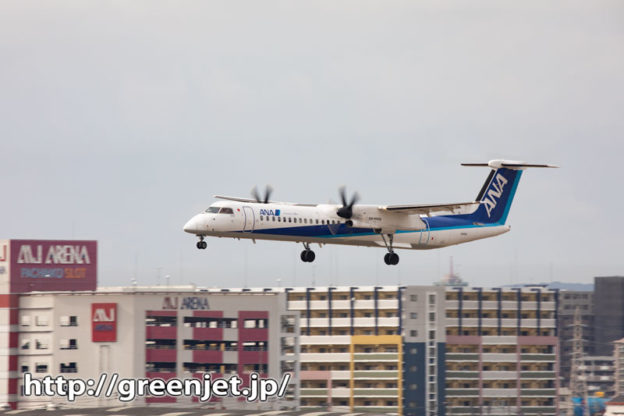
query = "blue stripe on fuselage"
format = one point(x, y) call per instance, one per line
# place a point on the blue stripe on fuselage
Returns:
point(438, 223)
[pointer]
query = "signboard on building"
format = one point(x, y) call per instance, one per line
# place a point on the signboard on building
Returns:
point(104, 322)
point(51, 265)
point(187, 302)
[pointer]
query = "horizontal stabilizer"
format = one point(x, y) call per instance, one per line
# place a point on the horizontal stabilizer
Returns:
point(509, 164)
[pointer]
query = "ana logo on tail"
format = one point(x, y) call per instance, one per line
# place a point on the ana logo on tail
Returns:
point(495, 192)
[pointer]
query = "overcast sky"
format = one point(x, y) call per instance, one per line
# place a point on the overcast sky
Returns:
point(120, 119)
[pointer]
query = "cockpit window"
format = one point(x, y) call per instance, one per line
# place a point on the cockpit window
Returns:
point(220, 210)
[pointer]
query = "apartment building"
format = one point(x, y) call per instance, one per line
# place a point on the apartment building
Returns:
point(157, 332)
point(428, 350)
point(501, 351)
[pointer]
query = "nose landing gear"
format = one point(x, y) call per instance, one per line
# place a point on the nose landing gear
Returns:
point(307, 255)
point(201, 244)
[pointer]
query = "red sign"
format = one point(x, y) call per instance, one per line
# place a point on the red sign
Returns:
point(51, 265)
point(104, 322)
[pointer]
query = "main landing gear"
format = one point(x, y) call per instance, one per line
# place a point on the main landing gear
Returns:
point(391, 258)
point(307, 255)
point(201, 244)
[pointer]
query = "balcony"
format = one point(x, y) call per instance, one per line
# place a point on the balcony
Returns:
point(462, 375)
point(207, 356)
point(212, 334)
point(160, 332)
point(253, 334)
point(462, 392)
point(498, 392)
point(538, 357)
point(160, 355)
point(499, 357)
point(253, 357)
point(538, 392)
point(325, 357)
point(376, 356)
point(364, 374)
point(375, 392)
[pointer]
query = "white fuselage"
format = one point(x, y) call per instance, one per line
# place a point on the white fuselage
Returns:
point(320, 224)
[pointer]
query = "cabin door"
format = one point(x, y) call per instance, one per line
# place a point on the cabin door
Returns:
point(250, 221)
point(425, 235)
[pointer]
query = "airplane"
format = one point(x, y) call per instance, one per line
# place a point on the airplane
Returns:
point(415, 227)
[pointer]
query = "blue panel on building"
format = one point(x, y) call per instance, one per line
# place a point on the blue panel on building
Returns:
point(414, 379)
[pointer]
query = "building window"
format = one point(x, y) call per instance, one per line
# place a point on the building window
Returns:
point(24, 368)
point(432, 298)
point(69, 320)
point(69, 344)
point(25, 321)
point(25, 344)
point(69, 368)
point(41, 320)
point(41, 368)
point(41, 345)
point(413, 333)
point(413, 315)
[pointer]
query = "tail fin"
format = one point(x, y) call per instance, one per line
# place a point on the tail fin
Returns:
point(499, 189)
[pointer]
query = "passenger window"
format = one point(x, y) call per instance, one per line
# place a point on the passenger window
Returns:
point(261, 218)
point(317, 221)
point(289, 219)
point(323, 222)
point(279, 219)
point(273, 219)
point(305, 220)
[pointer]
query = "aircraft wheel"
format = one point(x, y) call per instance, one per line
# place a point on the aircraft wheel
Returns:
point(307, 256)
point(394, 258)
point(199, 245)
point(387, 259)
point(202, 245)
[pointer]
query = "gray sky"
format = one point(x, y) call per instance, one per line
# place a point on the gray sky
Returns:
point(120, 119)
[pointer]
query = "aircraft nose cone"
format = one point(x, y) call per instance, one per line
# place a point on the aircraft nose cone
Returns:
point(189, 227)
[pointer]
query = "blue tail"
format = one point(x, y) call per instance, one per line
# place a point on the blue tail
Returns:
point(496, 196)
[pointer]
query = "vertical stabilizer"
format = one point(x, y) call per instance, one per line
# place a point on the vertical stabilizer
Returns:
point(499, 189)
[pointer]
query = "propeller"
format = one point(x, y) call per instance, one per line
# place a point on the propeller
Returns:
point(267, 194)
point(346, 211)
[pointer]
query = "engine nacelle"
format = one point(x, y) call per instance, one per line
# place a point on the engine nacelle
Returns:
point(358, 224)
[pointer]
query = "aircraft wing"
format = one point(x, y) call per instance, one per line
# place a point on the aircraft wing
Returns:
point(428, 209)
point(253, 201)
point(234, 198)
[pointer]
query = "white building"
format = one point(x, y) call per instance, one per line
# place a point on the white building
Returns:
point(155, 332)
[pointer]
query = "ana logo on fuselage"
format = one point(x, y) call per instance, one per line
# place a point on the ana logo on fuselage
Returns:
point(494, 193)
point(269, 212)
